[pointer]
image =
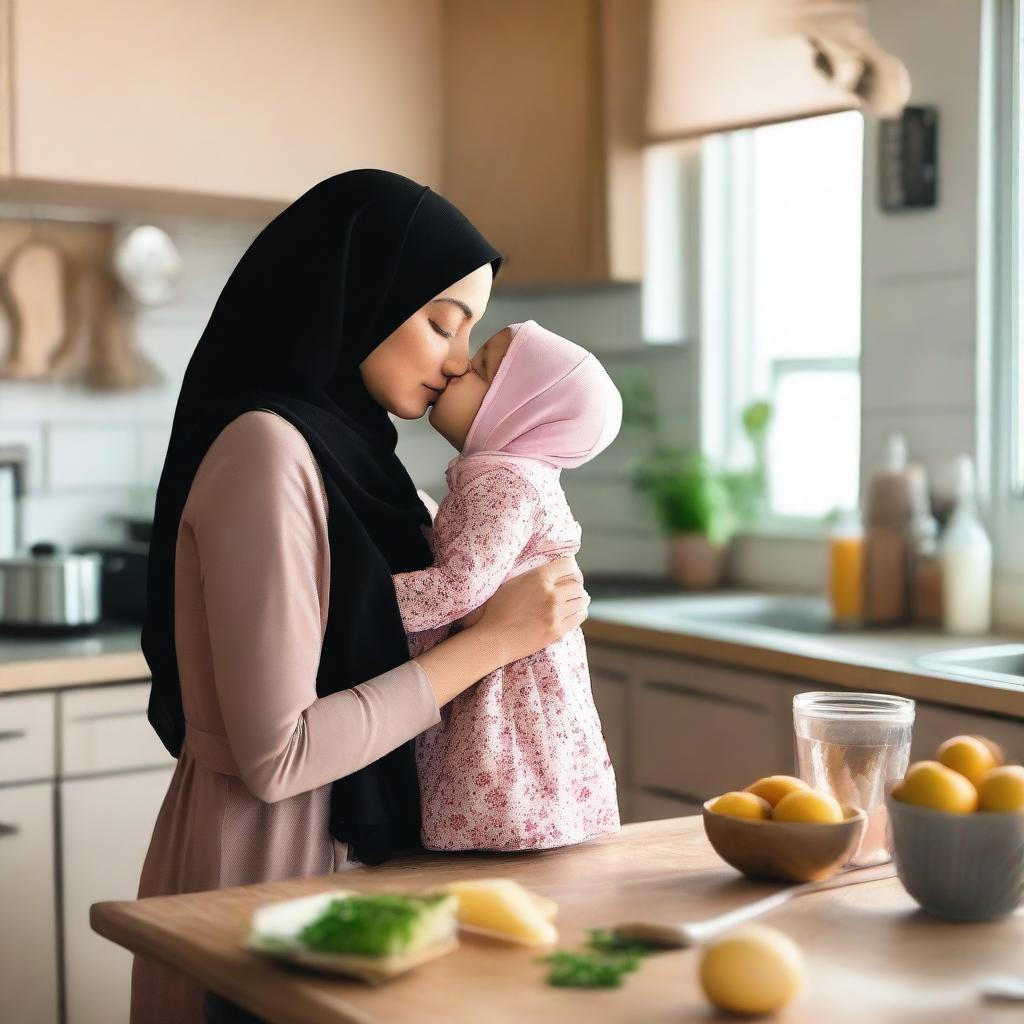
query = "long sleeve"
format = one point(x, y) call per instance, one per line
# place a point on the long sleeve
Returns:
point(485, 527)
point(260, 524)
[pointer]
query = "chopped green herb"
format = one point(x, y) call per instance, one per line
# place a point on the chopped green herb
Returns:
point(602, 941)
point(380, 924)
point(588, 970)
point(607, 960)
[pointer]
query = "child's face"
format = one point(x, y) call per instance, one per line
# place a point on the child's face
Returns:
point(456, 407)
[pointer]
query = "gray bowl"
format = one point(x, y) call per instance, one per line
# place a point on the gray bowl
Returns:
point(968, 867)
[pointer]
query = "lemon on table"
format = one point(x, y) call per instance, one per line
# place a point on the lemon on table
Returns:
point(967, 755)
point(742, 805)
point(933, 785)
point(752, 970)
point(774, 787)
point(1001, 790)
point(809, 805)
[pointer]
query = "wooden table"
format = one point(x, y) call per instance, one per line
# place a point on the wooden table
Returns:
point(872, 955)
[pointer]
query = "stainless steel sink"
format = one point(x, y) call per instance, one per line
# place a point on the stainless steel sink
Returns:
point(1003, 663)
point(792, 613)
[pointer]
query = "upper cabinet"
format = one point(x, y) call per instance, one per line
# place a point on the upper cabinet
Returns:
point(543, 115)
point(222, 106)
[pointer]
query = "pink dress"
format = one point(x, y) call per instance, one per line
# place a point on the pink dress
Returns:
point(249, 797)
point(517, 762)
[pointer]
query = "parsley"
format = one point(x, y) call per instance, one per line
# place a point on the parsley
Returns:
point(607, 960)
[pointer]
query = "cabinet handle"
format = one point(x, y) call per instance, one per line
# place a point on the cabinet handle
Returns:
point(12, 734)
point(103, 716)
point(8, 830)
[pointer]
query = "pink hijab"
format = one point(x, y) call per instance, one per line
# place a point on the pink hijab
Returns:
point(550, 400)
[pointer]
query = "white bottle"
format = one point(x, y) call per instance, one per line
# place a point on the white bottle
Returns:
point(966, 561)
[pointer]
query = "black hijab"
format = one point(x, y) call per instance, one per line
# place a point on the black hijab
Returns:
point(319, 288)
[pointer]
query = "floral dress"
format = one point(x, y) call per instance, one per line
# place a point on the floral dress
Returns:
point(518, 761)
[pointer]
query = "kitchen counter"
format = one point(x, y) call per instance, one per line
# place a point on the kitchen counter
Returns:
point(872, 955)
point(110, 654)
point(876, 659)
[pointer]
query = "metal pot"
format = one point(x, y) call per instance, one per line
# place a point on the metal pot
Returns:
point(48, 591)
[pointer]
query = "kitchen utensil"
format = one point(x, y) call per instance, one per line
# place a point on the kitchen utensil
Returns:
point(696, 933)
point(35, 292)
point(1002, 986)
point(968, 867)
point(784, 851)
point(853, 745)
point(48, 591)
point(123, 587)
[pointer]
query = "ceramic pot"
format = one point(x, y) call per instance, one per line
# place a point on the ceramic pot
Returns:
point(694, 562)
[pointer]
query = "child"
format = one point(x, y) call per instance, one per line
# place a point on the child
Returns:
point(518, 761)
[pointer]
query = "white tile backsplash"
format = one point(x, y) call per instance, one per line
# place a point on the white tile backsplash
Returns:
point(93, 455)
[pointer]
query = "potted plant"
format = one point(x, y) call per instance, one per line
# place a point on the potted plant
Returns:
point(695, 511)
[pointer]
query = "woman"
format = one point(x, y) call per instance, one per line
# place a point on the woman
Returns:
point(281, 673)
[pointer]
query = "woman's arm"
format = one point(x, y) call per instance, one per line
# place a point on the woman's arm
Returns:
point(259, 524)
point(487, 525)
point(260, 527)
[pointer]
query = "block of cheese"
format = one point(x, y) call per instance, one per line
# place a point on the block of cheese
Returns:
point(504, 909)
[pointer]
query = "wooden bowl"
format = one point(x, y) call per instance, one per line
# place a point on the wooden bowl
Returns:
point(785, 851)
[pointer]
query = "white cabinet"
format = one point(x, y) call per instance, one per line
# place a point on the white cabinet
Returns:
point(107, 824)
point(28, 926)
point(114, 774)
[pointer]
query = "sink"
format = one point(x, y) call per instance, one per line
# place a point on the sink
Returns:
point(791, 613)
point(1003, 663)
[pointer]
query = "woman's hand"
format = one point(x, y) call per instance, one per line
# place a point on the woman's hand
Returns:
point(534, 609)
point(523, 615)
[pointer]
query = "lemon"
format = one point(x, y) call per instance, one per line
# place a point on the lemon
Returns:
point(997, 751)
point(774, 787)
point(742, 805)
point(752, 970)
point(930, 784)
point(1002, 789)
point(809, 805)
point(966, 755)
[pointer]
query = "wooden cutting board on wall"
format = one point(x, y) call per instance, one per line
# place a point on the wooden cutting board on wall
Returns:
point(66, 315)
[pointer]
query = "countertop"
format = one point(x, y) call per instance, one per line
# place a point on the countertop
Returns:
point(110, 654)
point(872, 955)
point(872, 659)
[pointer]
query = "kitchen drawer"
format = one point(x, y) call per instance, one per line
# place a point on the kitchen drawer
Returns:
point(933, 724)
point(28, 935)
point(27, 725)
point(698, 744)
point(653, 805)
point(105, 729)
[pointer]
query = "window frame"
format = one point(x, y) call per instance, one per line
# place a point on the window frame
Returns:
point(727, 368)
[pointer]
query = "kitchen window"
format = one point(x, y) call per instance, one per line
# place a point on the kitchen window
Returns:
point(763, 229)
point(1000, 311)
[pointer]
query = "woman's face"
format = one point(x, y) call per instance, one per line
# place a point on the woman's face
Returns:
point(407, 371)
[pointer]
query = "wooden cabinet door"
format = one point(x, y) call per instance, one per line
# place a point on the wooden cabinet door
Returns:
point(535, 106)
point(106, 827)
point(232, 98)
point(28, 931)
point(611, 696)
point(653, 805)
point(934, 723)
point(699, 730)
